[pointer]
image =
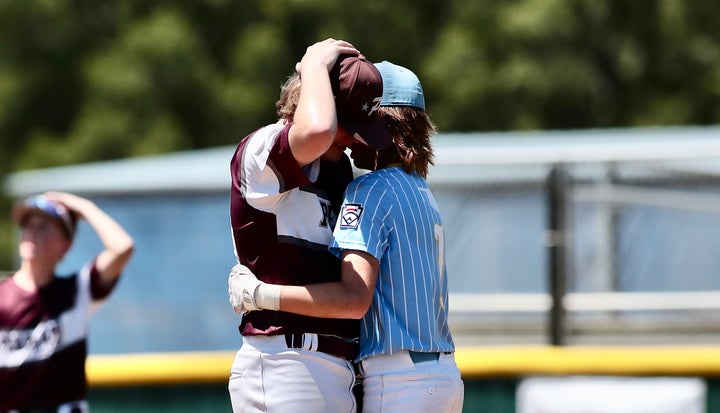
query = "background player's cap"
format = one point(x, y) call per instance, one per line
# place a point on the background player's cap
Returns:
point(401, 87)
point(40, 204)
point(358, 88)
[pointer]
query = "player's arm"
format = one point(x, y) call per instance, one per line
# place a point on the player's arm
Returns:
point(315, 120)
point(349, 298)
point(118, 245)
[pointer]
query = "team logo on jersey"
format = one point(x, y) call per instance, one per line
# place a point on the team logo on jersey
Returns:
point(350, 216)
point(327, 215)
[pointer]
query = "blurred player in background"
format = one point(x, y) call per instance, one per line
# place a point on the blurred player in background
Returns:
point(390, 238)
point(44, 317)
point(288, 180)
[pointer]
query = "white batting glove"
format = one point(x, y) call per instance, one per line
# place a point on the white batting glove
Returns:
point(247, 293)
point(242, 284)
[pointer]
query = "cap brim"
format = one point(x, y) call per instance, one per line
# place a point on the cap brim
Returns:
point(22, 211)
point(373, 134)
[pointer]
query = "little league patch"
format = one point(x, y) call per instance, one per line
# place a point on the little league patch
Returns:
point(350, 216)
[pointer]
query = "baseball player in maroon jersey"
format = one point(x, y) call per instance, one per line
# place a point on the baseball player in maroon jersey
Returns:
point(44, 317)
point(288, 180)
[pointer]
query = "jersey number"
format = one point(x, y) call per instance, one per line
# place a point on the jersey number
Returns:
point(440, 241)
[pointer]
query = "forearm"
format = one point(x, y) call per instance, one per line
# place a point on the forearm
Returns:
point(348, 298)
point(314, 123)
point(118, 245)
point(114, 238)
point(329, 300)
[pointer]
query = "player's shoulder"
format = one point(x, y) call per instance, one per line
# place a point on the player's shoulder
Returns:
point(373, 191)
point(264, 135)
point(371, 177)
point(388, 178)
point(6, 284)
point(366, 182)
point(256, 147)
point(256, 140)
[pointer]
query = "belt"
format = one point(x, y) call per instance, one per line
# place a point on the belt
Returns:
point(344, 348)
point(401, 361)
point(418, 357)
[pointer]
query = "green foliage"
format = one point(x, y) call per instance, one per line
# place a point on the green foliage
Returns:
point(8, 250)
point(85, 81)
point(89, 81)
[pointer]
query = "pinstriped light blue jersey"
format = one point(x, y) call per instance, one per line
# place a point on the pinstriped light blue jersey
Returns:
point(393, 216)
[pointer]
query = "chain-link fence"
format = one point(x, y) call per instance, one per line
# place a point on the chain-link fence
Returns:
point(584, 237)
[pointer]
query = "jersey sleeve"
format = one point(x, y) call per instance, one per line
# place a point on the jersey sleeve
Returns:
point(268, 169)
point(362, 224)
point(99, 289)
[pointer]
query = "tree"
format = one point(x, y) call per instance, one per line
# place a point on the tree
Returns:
point(85, 81)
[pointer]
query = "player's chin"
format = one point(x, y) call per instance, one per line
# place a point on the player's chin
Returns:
point(28, 251)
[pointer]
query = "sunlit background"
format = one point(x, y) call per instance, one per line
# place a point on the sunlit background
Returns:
point(138, 106)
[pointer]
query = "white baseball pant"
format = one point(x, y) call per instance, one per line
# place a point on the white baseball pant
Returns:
point(397, 384)
point(269, 377)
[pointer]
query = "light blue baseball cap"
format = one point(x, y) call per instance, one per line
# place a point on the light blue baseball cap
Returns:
point(401, 87)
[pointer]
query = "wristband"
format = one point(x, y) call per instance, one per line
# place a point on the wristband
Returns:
point(267, 296)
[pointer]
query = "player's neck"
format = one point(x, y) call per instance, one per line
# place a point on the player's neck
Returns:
point(32, 276)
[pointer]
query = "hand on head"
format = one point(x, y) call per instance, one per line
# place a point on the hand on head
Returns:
point(325, 53)
point(71, 201)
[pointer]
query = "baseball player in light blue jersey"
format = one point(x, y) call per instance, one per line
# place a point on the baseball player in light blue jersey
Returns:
point(390, 237)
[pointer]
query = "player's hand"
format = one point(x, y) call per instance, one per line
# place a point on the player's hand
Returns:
point(325, 53)
point(242, 285)
point(72, 202)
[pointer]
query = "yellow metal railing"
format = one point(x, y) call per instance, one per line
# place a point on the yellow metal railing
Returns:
point(474, 362)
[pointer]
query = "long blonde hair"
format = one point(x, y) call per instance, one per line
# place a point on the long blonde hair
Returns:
point(411, 129)
point(289, 97)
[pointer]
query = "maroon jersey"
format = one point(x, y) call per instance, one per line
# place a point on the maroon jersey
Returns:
point(282, 219)
point(43, 340)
